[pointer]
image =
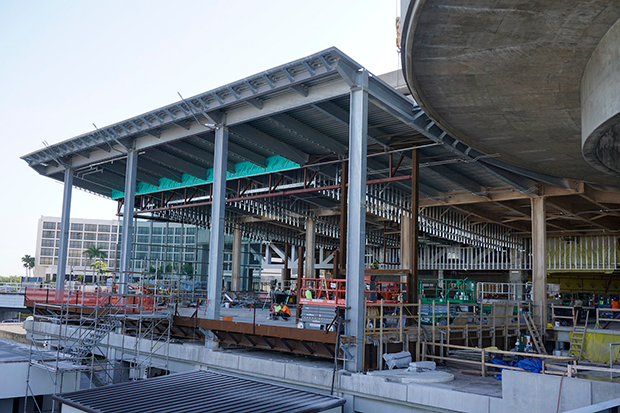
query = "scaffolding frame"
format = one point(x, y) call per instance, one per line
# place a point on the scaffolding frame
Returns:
point(85, 321)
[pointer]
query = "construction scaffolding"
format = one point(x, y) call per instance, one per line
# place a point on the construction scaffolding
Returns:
point(101, 337)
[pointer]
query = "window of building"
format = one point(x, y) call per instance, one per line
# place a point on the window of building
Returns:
point(103, 237)
point(77, 227)
point(88, 244)
point(90, 236)
point(75, 244)
point(45, 260)
point(143, 230)
point(158, 230)
point(114, 228)
point(142, 247)
point(178, 231)
point(190, 240)
point(142, 255)
point(49, 225)
point(47, 243)
point(75, 235)
point(143, 239)
point(47, 251)
point(90, 227)
point(74, 261)
point(190, 231)
point(104, 228)
point(156, 239)
point(48, 234)
point(75, 253)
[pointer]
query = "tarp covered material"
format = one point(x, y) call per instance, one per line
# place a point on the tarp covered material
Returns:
point(596, 347)
point(242, 169)
point(529, 364)
point(399, 360)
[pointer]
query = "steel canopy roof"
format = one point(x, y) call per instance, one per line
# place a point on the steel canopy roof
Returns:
point(289, 129)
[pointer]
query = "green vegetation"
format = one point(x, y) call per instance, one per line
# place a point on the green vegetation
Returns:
point(28, 263)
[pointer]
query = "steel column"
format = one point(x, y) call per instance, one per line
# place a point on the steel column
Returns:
point(64, 230)
point(131, 172)
point(235, 278)
point(310, 247)
point(539, 264)
point(216, 244)
point(344, 180)
point(356, 218)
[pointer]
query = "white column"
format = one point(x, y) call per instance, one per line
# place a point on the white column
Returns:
point(539, 260)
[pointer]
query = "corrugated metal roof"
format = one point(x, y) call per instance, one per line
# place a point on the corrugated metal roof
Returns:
point(198, 391)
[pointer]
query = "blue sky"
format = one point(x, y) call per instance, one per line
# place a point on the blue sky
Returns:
point(65, 65)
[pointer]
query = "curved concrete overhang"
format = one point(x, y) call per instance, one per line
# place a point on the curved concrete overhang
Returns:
point(600, 97)
point(505, 78)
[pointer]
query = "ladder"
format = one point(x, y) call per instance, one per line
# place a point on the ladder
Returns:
point(577, 339)
point(534, 334)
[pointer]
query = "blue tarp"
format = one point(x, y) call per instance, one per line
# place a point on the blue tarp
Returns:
point(528, 364)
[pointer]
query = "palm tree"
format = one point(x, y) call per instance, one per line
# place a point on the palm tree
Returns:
point(28, 263)
point(95, 252)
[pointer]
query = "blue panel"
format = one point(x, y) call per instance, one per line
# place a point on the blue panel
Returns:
point(274, 164)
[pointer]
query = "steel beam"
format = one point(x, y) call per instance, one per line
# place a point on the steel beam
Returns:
point(356, 218)
point(216, 244)
point(131, 171)
point(64, 230)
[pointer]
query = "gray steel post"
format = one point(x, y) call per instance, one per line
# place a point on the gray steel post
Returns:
point(356, 218)
point(216, 244)
point(131, 171)
point(64, 230)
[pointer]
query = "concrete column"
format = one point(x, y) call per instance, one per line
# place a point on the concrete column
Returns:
point(412, 285)
point(356, 219)
point(310, 247)
point(64, 230)
point(235, 280)
point(216, 243)
point(131, 171)
point(539, 261)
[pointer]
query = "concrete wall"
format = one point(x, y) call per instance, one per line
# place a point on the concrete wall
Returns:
point(600, 104)
point(14, 380)
point(521, 391)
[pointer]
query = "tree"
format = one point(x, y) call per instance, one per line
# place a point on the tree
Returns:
point(188, 269)
point(94, 252)
point(101, 268)
point(28, 263)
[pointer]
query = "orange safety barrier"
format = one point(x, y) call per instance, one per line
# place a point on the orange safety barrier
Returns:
point(332, 292)
point(133, 303)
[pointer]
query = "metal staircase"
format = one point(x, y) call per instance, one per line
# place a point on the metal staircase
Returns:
point(87, 341)
point(534, 334)
point(577, 339)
